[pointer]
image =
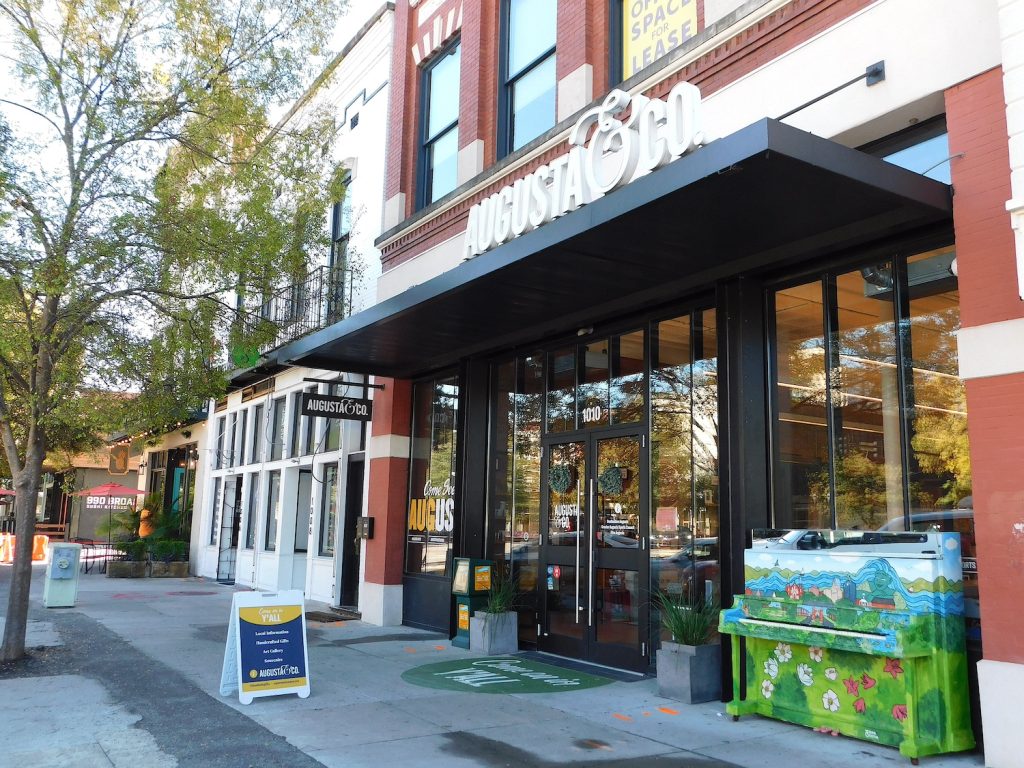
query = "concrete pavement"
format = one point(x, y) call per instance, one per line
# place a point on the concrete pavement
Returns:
point(134, 682)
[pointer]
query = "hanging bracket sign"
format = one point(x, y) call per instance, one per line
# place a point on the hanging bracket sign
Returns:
point(265, 653)
point(334, 407)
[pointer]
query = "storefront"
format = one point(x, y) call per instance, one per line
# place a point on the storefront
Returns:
point(612, 401)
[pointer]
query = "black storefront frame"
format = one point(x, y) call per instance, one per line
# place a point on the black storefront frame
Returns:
point(897, 254)
point(426, 597)
point(646, 321)
point(746, 373)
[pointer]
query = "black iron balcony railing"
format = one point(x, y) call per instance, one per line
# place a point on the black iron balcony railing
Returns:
point(323, 297)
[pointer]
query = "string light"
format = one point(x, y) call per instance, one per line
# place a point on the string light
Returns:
point(128, 440)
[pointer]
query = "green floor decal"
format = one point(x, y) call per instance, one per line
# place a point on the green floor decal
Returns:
point(501, 675)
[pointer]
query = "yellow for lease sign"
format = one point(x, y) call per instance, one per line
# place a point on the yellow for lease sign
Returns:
point(652, 28)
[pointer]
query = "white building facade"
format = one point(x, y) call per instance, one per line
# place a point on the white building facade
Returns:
point(282, 491)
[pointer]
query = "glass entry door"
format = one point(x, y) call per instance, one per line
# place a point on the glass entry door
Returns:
point(594, 552)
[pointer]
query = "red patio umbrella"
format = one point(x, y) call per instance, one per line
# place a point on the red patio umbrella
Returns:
point(110, 489)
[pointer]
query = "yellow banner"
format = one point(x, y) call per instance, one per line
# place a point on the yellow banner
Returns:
point(652, 28)
point(269, 615)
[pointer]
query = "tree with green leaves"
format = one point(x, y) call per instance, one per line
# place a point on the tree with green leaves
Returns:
point(150, 193)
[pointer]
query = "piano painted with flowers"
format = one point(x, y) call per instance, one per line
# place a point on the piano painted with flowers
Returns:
point(859, 633)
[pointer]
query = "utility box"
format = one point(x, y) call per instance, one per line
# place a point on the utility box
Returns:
point(61, 586)
point(470, 584)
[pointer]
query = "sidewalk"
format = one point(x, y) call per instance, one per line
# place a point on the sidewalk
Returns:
point(130, 677)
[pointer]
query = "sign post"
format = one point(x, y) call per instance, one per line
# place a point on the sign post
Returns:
point(265, 653)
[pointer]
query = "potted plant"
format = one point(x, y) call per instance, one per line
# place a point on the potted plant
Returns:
point(494, 631)
point(168, 558)
point(132, 564)
point(690, 665)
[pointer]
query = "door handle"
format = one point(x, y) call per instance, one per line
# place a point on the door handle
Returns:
point(592, 513)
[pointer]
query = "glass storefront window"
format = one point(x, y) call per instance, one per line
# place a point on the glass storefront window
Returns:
point(627, 390)
point(273, 511)
point(256, 451)
point(215, 513)
point(801, 432)
point(870, 416)
point(867, 471)
point(562, 390)
point(328, 510)
point(432, 472)
point(592, 392)
point(252, 510)
point(277, 429)
point(684, 456)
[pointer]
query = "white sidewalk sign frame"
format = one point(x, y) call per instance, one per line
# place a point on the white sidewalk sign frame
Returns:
point(273, 610)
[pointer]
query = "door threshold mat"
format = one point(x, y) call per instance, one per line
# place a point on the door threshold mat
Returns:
point(501, 674)
point(392, 637)
point(329, 617)
point(619, 675)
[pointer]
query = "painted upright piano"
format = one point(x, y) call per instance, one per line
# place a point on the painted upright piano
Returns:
point(860, 633)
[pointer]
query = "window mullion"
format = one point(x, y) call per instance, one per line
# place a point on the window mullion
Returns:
point(833, 423)
point(526, 69)
point(904, 378)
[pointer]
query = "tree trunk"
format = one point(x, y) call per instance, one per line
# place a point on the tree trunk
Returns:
point(26, 484)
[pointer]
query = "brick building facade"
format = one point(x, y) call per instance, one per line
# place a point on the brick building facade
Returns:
point(807, 294)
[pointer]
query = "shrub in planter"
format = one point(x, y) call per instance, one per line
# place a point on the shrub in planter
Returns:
point(132, 564)
point(690, 665)
point(494, 631)
point(169, 558)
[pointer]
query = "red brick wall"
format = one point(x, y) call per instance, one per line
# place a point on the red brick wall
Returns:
point(976, 117)
point(995, 423)
point(582, 38)
point(389, 485)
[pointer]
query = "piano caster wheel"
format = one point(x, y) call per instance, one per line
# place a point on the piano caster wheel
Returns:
point(735, 718)
point(914, 761)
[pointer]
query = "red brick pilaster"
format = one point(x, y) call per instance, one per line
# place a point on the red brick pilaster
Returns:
point(976, 118)
point(389, 481)
point(400, 112)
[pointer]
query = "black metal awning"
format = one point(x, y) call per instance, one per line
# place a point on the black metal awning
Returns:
point(768, 194)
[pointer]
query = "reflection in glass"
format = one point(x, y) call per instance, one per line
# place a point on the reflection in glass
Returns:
point(562, 390)
point(861, 483)
point(567, 477)
point(517, 399)
point(627, 390)
point(801, 426)
point(442, 160)
point(432, 476)
point(684, 457)
point(617, 607)
point(252, 510)
point(868, 473)
point(564, 607)
point(533, 103)
point(328, 509)
point(443, 108)
point(618, 492)
point(532, 25)
point(940, 470)
point(592, 393)
point(273, 510)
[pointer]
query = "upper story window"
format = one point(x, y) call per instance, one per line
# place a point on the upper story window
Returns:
point(528, 71)
point(440, 147)
point(922, 148)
